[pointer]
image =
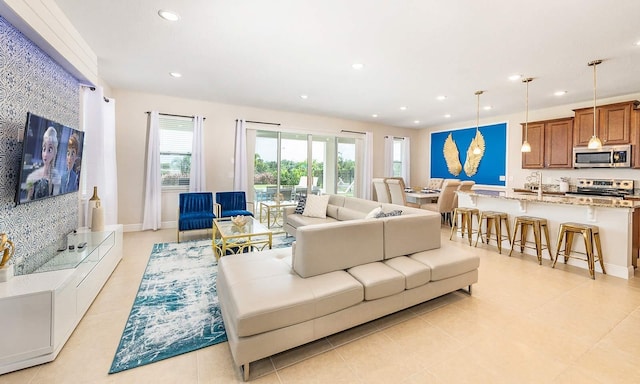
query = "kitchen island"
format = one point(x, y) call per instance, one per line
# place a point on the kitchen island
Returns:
point(616, 218)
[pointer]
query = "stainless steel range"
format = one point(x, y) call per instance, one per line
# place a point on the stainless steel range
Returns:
point(603, 187)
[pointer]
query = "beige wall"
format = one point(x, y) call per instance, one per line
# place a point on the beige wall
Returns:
point(131, 138)
point(516, 176)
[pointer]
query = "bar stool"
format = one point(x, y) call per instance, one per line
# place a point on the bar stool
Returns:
point(495, 218)
point(538, 224)
point(466, 221)
point(591, 234)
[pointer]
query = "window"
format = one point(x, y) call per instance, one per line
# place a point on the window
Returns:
point(176, 136)
point(398, 155)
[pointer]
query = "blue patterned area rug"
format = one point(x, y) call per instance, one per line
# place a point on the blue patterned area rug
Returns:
point(176, 309)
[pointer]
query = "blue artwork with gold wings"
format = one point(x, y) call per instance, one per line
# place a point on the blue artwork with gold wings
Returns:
point(453, 155)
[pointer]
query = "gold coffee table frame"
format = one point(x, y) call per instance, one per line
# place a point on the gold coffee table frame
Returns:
point(236, 239)
point(274, 211)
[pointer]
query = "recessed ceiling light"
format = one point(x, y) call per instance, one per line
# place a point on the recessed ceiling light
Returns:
point(175, 74)
point(638, 42)
point(487, 107)
point(515, 77)
point(168, 15)
point(403, 108)
point(560, 93)
point(416, 121)
point(441, 97)
point(305, 97)
point(357, 66)
point(447, 116)
point(374, 115)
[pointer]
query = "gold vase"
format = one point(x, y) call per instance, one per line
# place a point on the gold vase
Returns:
point(7, 248)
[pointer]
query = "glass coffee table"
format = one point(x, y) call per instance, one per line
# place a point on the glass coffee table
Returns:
point(273, 211)
point(231, 239)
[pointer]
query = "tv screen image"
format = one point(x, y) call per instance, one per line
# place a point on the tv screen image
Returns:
point(51, 160)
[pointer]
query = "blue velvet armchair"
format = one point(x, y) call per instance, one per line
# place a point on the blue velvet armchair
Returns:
point(195, 211)
point(233, 204)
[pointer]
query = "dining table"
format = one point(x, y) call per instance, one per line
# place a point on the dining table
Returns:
point(422, 197)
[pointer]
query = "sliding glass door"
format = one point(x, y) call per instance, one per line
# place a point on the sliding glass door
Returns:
point(290, 165)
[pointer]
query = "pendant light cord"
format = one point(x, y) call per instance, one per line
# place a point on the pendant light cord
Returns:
point(478, 93)
point(595, 64)
point(526, 114)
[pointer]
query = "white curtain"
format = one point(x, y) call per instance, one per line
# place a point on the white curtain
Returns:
point(406, 161)
point(240, 176)
point(153, 182)
point(197, 181)
point(99, 166)
point(365, 176)
point(388, 156)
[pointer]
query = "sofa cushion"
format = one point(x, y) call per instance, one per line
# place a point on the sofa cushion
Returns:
point(350, 214)
point(337, 200)
point(297, 221)
point(337, 246)
point(445, 264)
point(378, 280)
point(332, 210)
point(373, 213)
point(316, 206)
point(407, 234)
point(362, 205)
point(395, 212)
point(264, 294)
point(415, 273)
point(301, 204)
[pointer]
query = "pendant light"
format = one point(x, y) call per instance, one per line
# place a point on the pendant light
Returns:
point(477, 150)
point(594, 141)
point(526, 147)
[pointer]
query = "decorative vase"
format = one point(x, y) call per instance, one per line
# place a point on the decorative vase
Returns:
point(97, 218)
point(93, 202)
point(6, 251)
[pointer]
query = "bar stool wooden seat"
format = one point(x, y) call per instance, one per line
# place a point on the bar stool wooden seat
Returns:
point(465, 224)
point(495, 219)
point(538, 224)
point(590, 234)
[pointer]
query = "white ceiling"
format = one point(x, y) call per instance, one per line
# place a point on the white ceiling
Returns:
point(268, 53)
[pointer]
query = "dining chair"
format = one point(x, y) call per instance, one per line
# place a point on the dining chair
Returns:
point(396, 190)
point(435, 183)
point(445, 202)
point(381, 190)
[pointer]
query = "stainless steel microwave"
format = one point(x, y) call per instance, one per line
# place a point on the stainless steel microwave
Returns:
point(618, 156)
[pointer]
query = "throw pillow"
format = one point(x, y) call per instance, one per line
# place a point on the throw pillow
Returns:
point(396, 212)
point(373, 213)
point(316, 206)
point(301, 203)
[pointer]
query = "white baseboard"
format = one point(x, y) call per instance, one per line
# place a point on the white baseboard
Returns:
point(138, 227)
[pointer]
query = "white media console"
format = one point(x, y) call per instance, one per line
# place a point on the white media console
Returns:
point(39, 311)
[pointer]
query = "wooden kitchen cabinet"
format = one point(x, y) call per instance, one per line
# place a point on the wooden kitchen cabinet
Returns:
point(614, 124)
point(635, 139)
point(551, 144)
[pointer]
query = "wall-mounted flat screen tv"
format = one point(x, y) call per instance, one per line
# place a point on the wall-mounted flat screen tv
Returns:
point(51, 160)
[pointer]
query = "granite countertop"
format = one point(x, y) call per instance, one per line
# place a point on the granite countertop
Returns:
point(594, 201)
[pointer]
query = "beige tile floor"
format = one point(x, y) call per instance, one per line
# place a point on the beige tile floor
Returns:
point(524, 323)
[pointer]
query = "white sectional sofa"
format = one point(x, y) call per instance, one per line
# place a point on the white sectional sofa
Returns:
point(340, 273)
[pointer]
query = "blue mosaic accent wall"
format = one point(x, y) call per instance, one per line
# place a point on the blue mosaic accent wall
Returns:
point(493, 163)
point(30, 81)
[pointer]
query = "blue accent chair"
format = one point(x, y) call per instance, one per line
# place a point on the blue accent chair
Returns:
point(195, 211)
point(233, 204)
